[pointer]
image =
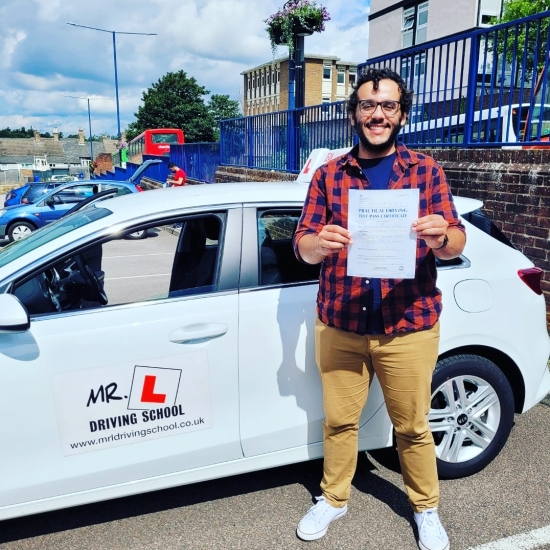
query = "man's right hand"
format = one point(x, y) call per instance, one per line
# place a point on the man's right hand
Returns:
point(331, 239)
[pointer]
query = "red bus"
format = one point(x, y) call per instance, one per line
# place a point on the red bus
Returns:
point(154, 142)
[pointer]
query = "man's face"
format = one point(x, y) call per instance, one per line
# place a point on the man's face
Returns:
point(174, 169)
point(378, 129)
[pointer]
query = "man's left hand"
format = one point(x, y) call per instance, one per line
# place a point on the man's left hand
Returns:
point(432, 229)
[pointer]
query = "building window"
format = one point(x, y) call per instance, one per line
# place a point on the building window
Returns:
point(422, 23)
point(419, 67)
point(327, 70)
point(352, 77)
point(415, 24)
point(341, 78)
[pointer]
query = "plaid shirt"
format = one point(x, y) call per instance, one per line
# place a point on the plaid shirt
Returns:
point(342, 301)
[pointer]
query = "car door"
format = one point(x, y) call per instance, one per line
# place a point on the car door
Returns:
point(54, 205)
point(96, 398)
point(281, 394)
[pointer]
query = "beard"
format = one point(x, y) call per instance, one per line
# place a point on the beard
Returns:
point(376, 148)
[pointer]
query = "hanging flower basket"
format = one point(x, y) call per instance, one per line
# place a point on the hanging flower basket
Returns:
point(296, 18)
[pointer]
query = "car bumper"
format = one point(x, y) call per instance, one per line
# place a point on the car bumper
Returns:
point(2, 231)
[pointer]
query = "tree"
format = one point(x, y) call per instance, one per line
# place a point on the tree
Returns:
point(220, 108)
point(175, 101)
point(17, 133)
point(532, 36)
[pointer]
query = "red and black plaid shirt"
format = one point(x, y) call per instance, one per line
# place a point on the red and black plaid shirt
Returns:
point(342, 301)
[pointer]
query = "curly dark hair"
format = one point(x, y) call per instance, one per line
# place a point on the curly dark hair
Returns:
point(370, 74)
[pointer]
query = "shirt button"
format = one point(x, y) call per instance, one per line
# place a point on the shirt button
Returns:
point(364, 309)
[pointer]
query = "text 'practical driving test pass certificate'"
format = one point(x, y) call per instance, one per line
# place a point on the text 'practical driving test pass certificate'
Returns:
point(383, 244)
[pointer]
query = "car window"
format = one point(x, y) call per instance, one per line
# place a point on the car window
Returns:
point(478, 219)
point(277, 261)
point(33, 192)
point(74, 194)
point(121, 189)
point(164, 261)
point(19, 248)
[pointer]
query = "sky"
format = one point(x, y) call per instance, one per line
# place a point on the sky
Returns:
point(43, 59)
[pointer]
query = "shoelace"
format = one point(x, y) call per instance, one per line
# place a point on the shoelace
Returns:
point(318, 508)
point(430, 522)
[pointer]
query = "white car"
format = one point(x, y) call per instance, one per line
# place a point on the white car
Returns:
point(135, 365)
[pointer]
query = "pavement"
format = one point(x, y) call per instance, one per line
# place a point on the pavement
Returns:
point(259, 511)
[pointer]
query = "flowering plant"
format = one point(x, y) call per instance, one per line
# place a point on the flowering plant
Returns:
point(296, 17)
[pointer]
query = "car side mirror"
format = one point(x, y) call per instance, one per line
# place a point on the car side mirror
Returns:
point(53, 200)
point(13, 315)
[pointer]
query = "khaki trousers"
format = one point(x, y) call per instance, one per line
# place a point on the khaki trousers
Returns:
point(404, 364)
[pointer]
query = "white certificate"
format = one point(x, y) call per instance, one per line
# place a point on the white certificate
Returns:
point(380, 222)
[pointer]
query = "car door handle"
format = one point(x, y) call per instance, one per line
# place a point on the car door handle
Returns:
point(195, 334)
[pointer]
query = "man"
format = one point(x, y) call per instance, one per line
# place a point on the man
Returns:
point(367, 326)
point(179, 177)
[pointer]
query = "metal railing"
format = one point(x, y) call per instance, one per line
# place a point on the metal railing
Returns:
point(282, 140)
point(477, 89)
point(199, 160)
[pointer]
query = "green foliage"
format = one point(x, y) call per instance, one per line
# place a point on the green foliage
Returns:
point(175, 101)
point(526, 37)
point(306, 14)
point(221, 107)
point(517, 9)
point(23, 133)
point(18, 133)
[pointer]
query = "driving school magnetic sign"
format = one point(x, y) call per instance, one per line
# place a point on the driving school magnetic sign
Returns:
point(119, 405)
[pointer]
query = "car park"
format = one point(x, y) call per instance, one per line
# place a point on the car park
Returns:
point(131, 366)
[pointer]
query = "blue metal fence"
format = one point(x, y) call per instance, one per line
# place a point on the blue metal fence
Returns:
point(282, 140)
point(199, 160)
point(478, 88)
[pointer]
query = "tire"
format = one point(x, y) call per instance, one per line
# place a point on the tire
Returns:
point(137, 235)
point(471, 414)
point(18, 230)
point(474, 374)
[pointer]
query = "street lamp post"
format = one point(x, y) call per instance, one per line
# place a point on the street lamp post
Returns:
point(89, 120)
point(114, 58)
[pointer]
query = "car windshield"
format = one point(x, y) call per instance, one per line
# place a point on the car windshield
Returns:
point(37, 238)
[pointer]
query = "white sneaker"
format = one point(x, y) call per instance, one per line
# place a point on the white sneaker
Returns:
point(315, 523)
point(431, 534)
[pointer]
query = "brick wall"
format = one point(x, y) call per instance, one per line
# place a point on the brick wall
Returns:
point(314, 82)
point(513, 184)
point(104, 162)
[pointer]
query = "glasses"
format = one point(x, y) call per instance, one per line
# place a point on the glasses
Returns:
point(388, 107)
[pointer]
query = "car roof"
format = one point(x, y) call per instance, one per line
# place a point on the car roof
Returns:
point(219, 194)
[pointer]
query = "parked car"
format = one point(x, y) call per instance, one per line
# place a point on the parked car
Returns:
point(31, 191)
point(18, 221)
point(131, 366)
point(15, 195)
point(47, 202)
point(63, 178)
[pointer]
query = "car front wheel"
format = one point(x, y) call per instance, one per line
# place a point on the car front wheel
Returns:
point(18, 230)
point(471, 414)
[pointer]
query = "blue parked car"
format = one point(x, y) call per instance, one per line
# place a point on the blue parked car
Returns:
point(42, 205)
point(15, 195)
point(30, 192)
point(20, 220)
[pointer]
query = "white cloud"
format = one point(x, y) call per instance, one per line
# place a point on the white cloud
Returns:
point(8, 45)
